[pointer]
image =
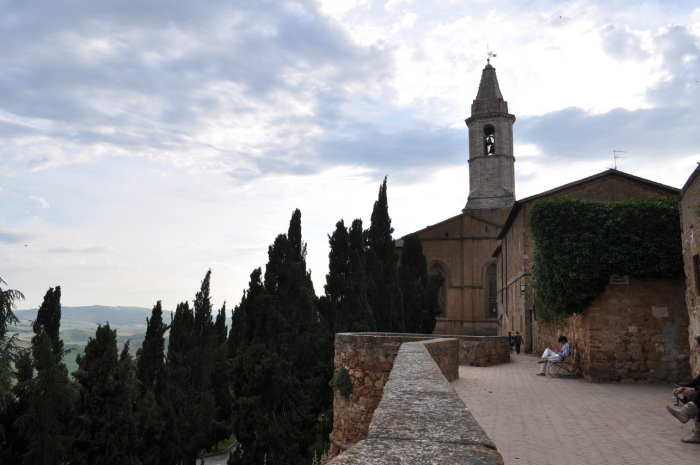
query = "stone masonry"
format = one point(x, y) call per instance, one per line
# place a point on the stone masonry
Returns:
point(369, 358)
point(689, 203)
point(633, 333)
point(420, 418)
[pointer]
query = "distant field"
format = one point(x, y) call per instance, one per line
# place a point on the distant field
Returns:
point(78, 324)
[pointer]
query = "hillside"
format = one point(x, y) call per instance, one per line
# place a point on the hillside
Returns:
point(78, 324)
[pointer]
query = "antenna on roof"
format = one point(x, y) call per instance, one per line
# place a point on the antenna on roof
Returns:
point(615, 157)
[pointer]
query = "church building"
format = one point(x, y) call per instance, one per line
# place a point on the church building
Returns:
point(461, 247)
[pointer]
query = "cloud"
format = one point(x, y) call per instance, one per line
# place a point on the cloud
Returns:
point(622, 44)
point(79, 250)
point(42, 203)
point(14, 237)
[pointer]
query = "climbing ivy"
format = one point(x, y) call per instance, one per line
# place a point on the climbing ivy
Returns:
point(579, 244)
point(342, 382)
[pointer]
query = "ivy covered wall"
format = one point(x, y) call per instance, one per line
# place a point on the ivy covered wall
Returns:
point(579, 244)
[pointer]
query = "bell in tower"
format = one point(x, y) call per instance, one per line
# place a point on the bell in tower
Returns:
point(491, 161)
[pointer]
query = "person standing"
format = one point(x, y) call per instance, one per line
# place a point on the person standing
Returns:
point(518, 341)
point(511, 341)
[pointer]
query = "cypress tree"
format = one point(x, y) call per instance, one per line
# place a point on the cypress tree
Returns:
point(49, 397)
point(279, 371)
point(49, 318)
point(154, 409)
point(346, 288)
point(383, 288)
point(106, 427)
point(418, 289)
point(190, 364)
point(220, 379)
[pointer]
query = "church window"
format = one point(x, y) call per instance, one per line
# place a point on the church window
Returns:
point(441, 294)
point(493, 297)
point(489, 140)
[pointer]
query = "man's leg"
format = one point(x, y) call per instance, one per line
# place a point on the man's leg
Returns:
point(517, 348)
point(550, 358)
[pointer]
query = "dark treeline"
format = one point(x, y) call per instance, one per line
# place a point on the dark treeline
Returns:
point(264, 381)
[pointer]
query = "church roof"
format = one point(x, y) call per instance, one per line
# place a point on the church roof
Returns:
point(489, 98)
point(561, 189)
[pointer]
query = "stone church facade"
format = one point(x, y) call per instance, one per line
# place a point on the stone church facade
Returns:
point(461, 247)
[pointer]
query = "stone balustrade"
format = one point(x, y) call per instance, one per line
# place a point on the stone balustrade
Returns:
point(419, 419)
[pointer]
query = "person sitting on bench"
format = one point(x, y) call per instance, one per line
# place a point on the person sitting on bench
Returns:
point(550, 356)
point(688, 394)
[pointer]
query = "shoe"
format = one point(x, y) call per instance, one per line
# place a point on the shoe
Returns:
point(684, 414)
point(541, 374)
point(541, 361)
point(695, 437)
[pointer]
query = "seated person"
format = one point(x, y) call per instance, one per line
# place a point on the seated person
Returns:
point(550, 356)
point(691, 400)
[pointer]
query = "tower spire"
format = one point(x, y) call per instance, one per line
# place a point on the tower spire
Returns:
point(491, 161)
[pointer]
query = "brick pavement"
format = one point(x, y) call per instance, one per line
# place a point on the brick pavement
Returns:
point(544, 420)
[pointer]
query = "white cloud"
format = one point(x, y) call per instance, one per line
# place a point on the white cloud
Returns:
point(42, 203)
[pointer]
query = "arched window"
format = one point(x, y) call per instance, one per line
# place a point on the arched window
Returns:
point(493, 291)
point(489, 140)
point(442, 292)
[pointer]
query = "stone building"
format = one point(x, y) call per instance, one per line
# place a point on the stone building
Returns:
point(689, 205)
point(460, 247)
point(636, 331)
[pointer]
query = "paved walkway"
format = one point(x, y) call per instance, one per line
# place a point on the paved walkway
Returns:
point(543, 420)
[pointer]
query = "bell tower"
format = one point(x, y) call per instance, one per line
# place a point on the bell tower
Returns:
point(491, 160)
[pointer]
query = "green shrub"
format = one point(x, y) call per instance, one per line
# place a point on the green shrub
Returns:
point(342, 382)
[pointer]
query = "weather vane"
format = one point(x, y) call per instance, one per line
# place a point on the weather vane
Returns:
point(490, 54)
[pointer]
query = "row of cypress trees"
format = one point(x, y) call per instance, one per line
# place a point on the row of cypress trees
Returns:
point(266, 381)
point(366, 291)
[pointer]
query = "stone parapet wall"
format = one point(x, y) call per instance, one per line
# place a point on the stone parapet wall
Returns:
point(369, 358)
point(420, 418)
point(483, 351)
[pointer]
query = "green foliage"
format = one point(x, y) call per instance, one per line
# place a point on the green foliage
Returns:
point(49, 397)
point(48, 317)
point(190, 363)
point(418, 289)
point(383, 288)
point(278, 367)
point(580, 244)
point(342, 382)
point(106, 426)
point(8, 345)
point(346, 287)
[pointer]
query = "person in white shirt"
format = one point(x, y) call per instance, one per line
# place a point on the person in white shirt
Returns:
point(550, 356)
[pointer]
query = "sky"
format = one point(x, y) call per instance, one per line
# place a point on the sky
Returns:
point(145, 142)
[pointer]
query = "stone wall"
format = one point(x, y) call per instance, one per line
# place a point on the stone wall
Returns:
point(420, 418)
point(633, 333)
point(483, 351)
point(689, 204)
point(369, 358)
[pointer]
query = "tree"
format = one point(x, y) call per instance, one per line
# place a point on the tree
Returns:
point(105, 427)
point(154, 409)
point(418, 289)
point(346, 288)
point(49, 397)
point(279, 371)
point(190, 364)
point(8, 345)
point(383, 289)
point(48, 317)
point(220, 379)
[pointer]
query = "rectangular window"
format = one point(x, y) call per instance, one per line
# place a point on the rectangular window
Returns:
point(696, 273)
